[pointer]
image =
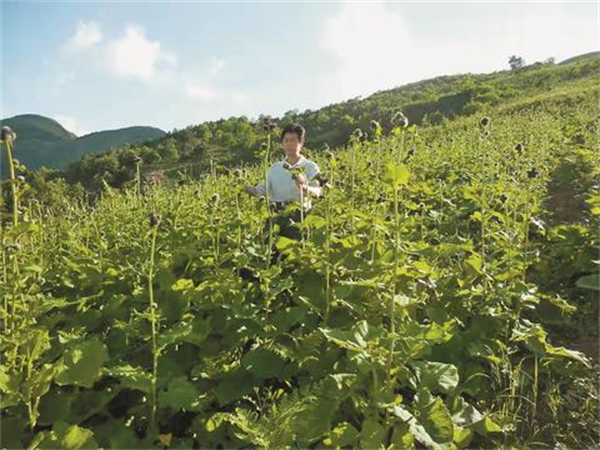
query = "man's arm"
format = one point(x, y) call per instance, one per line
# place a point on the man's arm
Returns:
point(256, 191)
point(313, 186)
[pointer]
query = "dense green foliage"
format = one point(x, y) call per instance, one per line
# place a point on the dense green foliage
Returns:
point(434, 301)
point(419, 311)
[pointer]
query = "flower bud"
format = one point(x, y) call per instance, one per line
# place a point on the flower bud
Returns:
point(399, 120)
point(7, 134)
point(154, 219)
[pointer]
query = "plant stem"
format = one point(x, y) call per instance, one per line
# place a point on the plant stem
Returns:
point(394, 282)
point(13, 182)
point(153, 323)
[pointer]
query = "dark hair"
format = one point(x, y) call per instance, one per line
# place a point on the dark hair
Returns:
point(294, 128)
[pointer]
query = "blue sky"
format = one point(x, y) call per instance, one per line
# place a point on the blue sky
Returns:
point(105, 65)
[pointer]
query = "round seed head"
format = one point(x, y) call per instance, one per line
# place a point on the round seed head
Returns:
point(484, 122)
point(269, 125)
point(532, 173)
point(11, 248)
point(7, 134)
point(154, 219)
point(399, 120)
point(519, 148)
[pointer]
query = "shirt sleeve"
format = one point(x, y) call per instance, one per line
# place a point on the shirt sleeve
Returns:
point(311, 171)
point(310, 174)
point(260, 187)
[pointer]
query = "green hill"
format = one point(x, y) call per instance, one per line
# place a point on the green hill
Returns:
point(42, 141)
point(236, 140)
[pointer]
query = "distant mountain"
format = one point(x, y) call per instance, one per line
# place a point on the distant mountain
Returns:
point(42, 141)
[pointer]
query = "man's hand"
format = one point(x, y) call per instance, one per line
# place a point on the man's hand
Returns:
point(251, 190)
point(301, 182)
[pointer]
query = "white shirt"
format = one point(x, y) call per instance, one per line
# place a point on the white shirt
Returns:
point(283, 188)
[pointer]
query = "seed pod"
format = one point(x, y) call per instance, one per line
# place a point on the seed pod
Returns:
point(7, 134)
point(21, 178)
point(16, 162)
point(532, 173)
point(519, 148)
point(322, 180)
point(11, 248)
point(374, 125)
point(154, 219)
point(137, 159)
point(486, 133)
point(400, 120)
point(358, 133)
point(484, 122)
point(263, 145)
point(325, 147)
point(269, 125)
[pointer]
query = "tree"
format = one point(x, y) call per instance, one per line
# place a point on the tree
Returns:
point(516, 62)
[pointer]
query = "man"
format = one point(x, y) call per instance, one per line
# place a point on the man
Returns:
point(286, 186)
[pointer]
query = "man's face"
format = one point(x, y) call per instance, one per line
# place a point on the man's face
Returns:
point(291, 144)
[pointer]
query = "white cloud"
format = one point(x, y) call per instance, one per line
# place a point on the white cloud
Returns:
point(368, 42)
point(70, 124)
point(64, 76)
point(372, 47)
point(203, 91)
point(87, 34)
point(136, 56)
point(215, 65)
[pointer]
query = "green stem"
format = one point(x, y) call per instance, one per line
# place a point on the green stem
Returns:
point(13, 182)
point(394, 283)
point(153, 323)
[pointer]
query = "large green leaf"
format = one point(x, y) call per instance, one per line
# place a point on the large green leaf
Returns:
point(263, 363)
point(436, 376)
point(83, 364)
point(589, 282)
point(396, 174)
point(64, 436)
point(431, 423)
point(131, 377)
point(234, 385)
point(372, 434)
point(182, 394)
point(342, 435)
point(356, 338)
